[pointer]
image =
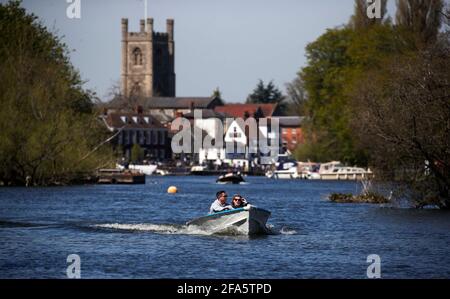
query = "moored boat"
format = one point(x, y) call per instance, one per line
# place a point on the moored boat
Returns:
point(335, 170)
point(285, 170)
point(117, 176)
point(230, 178)
point(247, 221)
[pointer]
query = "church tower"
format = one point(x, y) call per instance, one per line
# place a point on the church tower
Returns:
point(148, 60)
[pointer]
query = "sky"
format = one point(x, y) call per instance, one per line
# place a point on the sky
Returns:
point(229, 44)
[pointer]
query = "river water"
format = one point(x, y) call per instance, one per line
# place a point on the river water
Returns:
point(122, 231)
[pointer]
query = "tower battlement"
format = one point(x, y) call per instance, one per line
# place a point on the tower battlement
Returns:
point(148, 60)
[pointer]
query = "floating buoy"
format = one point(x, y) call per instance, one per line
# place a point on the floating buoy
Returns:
point(172, 189)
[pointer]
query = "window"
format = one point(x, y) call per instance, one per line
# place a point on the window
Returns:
point(137, 56)
point(136, 89)
point(158, 137)
point(163, 138)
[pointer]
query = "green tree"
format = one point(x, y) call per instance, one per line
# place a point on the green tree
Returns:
point(325, 78)
point(48, 127)
point(265, 94)
point(217, 93)
point(335, 61)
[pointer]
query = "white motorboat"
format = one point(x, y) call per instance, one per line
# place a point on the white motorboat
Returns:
point(337, 171)
point(246, 221)
point(145, 169)
point(285, 170)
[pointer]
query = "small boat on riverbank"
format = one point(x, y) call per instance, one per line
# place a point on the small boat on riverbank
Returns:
point(117, 176)
point(230, 178)
point(246, 221)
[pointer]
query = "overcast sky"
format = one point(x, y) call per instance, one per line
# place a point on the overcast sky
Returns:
point(228, 44)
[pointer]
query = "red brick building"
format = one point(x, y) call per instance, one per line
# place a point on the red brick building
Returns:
point(291, 132)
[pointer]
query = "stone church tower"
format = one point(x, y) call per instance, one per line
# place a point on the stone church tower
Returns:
point(148, 61)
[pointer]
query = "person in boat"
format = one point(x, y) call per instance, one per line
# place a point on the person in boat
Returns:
point(238, 202)
point(220, 204)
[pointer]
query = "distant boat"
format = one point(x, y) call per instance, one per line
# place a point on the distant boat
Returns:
point(147, 169)
point(230, 178)
point(285, 170)
point(117, 176)
point(246, 221)
point(335, 170)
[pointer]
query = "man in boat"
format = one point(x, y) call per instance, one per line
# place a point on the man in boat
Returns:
point(220, 204)
point(238, 202)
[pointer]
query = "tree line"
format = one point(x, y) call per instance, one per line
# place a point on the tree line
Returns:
point(376, 92)
point(49, 128)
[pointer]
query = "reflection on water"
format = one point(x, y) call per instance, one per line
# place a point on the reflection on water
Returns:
point(140, 232)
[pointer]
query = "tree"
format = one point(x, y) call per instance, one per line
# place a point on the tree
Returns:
point(217, 93)
point(325, 79)
point(48, 126)
point(403, 119)
point(296, 96)
point(263, 94)
point(421, 18)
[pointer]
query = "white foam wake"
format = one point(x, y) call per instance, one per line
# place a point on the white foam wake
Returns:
point(156, 228)
point(185, 229)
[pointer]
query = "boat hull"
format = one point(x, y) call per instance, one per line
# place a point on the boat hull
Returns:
point(237, 221)
point(230, 179)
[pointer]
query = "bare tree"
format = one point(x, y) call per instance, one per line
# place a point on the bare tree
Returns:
point(296, 95)
point(402, 118)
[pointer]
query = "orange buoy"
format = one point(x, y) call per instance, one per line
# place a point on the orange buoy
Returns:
point(172, 190)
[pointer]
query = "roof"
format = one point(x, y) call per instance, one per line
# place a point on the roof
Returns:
point(161, 116)
point(154, 103)
point(131, 120)
point(239, 110)
point(181, 102)
point(291, 121)
point(206, 113)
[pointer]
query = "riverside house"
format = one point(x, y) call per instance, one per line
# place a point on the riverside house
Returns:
point(140, 128)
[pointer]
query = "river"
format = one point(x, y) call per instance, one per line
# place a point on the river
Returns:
point(136, 231)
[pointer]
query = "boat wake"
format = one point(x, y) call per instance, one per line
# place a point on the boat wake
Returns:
point(178, 229)
point(169, 229)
